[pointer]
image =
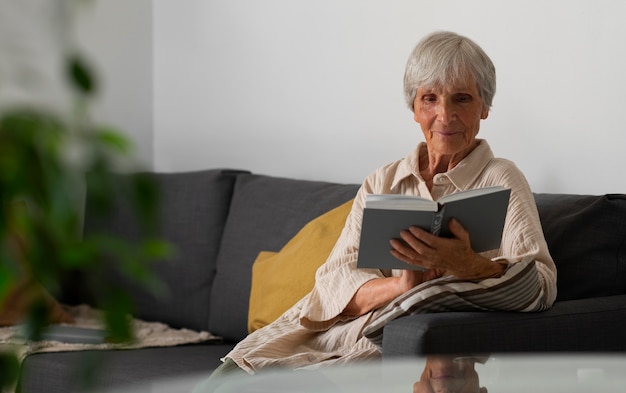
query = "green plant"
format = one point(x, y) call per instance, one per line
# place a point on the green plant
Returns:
point(44, 160)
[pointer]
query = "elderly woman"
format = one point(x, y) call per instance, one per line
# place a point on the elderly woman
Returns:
point(449, 85)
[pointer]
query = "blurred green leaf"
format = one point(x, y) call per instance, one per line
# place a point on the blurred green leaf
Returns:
point(117, 312)
point(113, 140)
point(146, 199)
point(7, 277)
point(157, 249)
point(80, 75)
point(10, 369)
point(37, 319)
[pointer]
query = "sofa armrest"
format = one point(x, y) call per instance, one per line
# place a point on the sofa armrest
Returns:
point(586, 325)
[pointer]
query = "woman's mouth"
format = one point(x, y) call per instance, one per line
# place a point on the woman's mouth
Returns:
point(447, 133)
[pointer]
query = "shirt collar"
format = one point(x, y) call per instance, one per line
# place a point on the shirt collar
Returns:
point(462, 175)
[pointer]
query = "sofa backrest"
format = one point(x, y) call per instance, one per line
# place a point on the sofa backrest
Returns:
point(191, 215)
point(586, 236)
point(265, 213)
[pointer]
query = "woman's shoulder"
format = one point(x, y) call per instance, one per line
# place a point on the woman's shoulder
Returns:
point(399, 169)
point(503, 164)
point(504, 172)
point(384, 177)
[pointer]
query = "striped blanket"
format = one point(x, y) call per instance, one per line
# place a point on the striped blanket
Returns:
point(519, 289)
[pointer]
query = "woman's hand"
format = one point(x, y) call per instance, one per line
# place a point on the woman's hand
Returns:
point(438, 255)
point(380, 291)
point(412, 278)
point(450, 255)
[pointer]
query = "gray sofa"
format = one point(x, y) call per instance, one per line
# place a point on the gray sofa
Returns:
point(219, 220)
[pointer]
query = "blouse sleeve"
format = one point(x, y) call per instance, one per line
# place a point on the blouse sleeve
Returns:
point(523, 235)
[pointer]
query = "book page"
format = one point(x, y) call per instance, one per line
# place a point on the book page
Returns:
point(470, 194)
point(399, 202)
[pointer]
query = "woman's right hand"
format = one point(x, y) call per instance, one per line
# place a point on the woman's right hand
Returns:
point(412, 278)
point(378, 292)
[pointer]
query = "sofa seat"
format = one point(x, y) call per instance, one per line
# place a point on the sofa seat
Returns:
point(122, 368)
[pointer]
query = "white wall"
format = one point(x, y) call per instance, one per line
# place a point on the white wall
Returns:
point(313, 89)
point(116, 37)
point(33, 34)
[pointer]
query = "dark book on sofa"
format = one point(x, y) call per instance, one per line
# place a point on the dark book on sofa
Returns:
point(481, 212)
point(70, 334)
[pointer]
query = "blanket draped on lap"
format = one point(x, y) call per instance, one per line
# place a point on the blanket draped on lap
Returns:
point(147, 334)
point(519, 289)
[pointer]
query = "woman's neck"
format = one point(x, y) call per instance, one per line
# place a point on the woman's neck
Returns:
point(431, 163)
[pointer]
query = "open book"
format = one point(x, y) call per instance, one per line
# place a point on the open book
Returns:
point(481, 212)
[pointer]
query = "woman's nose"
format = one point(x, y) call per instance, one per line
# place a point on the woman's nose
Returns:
point(445, 112)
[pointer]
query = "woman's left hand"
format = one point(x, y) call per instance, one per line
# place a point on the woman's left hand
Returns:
point(454, 255)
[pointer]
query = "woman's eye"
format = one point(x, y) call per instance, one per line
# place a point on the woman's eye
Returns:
point(429, 99)
point(464, 98)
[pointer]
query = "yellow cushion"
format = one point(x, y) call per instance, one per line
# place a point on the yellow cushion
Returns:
point(280, 279)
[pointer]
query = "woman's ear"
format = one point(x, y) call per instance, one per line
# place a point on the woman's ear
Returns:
point(413, 109)
point(485, 113)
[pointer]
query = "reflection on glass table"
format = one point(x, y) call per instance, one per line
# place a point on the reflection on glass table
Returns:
point(454, 374)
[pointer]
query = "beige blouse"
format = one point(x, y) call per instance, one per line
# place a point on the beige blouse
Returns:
point(313, 332)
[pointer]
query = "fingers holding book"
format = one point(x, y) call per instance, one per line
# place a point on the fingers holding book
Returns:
point(453, 255)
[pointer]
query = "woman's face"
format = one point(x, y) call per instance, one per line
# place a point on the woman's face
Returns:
point(450, 116)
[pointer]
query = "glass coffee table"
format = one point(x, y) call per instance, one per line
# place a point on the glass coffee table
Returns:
point(566, 373)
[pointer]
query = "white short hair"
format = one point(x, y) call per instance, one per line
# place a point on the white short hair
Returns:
point(444, 57)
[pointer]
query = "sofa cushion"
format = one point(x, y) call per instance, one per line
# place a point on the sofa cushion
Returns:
point(281, 279)
point(266, 212)
point(586, 237)
point(192, 212)
point(585, 325)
